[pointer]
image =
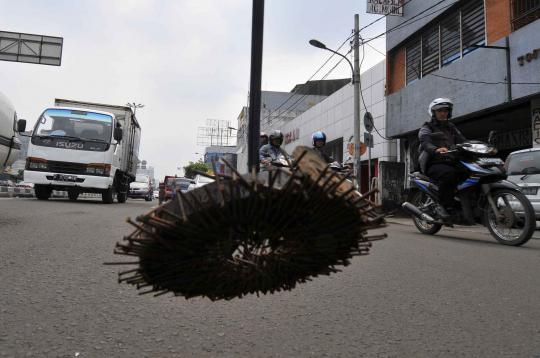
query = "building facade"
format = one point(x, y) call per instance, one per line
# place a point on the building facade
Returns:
point(482, 54)
point(334, 116)
point(279, 108)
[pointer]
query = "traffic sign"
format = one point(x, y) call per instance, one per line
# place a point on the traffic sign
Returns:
point(368, 139)
point(368, 122)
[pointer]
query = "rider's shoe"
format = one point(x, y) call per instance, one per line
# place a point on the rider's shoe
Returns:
point(442, 213)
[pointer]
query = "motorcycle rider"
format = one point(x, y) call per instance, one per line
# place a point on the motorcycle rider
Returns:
point(318, 140)
point(272, 151)
point(263, 140)
point(434, 161)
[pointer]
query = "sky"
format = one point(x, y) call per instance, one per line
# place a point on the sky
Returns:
point(185, 60)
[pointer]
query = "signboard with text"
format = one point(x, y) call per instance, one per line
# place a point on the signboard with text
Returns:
point(535, 119)
point(385, 7)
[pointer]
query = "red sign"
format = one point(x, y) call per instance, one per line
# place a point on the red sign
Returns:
point(292, 136)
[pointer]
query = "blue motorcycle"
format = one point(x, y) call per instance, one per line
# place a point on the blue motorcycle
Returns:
point(485, 198)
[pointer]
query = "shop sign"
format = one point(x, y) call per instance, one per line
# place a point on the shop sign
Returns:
point(385, 7)
point(536, 126)
point(292, 136)
point(529, 56)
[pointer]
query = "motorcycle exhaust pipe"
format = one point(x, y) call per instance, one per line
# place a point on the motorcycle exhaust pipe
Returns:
point(413, 210)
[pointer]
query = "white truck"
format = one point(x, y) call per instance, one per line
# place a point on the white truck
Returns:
point(83, 147)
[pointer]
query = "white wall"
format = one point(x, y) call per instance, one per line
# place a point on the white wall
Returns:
point(334, 116)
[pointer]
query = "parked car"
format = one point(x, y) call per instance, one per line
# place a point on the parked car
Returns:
point(156, 194)
point(6, 182)
point(199, 181)
point(168, 188)
point(24, 184)
point(523, 168)
point(141, 188)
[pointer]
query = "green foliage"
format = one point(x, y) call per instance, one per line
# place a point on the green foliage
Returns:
point(192, 167)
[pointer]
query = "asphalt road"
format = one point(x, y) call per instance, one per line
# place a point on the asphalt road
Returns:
point(458, 294)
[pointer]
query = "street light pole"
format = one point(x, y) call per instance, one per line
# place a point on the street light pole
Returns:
point(356, 82)
point(134, 106)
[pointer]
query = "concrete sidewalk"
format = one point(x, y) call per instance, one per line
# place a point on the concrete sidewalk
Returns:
point(478, 229)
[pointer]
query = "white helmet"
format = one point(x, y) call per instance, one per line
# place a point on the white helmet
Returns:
point(439, 103)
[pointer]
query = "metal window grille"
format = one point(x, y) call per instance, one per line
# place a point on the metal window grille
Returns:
point(472, 25)
point(524, 12)
point(413, 55)
point(430, 50)
point(450, 39)
point(446, 40)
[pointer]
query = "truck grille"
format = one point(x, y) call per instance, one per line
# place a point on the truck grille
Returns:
point(66, 167)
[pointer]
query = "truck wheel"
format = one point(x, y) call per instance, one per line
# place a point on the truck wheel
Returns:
point(108, 196)
point(73, 195)
point(121, 197)
point(42, 192)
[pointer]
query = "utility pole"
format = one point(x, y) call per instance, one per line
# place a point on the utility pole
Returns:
point(356, 83)
point(254, 124)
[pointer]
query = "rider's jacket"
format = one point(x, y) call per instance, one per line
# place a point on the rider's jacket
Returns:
point(269, 152)
point(449, 137)
point(328, 159)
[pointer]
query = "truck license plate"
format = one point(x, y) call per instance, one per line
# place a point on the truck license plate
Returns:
point(531, 190)
point(65, 177)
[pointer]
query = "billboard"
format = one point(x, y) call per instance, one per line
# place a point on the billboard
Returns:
point(19, 47)
point(385, 7)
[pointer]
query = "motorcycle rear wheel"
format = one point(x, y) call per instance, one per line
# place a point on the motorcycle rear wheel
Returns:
point(421, 200)
point(518, 220)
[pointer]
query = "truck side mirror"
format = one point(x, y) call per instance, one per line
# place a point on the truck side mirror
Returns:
point(491, 136)
point(118, 133)
point(21, 125)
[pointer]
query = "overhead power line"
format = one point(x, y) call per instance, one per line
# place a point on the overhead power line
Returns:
point(309, 85)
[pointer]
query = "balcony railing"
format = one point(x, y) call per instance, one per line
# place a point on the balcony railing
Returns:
point(524, 12)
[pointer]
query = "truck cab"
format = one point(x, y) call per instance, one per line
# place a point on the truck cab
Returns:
point(82, 150)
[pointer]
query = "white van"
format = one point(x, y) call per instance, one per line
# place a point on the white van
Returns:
point(523, 168)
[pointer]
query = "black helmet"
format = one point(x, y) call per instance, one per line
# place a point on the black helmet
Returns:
point(276, 134)
point(263, 134)
point(318, 136)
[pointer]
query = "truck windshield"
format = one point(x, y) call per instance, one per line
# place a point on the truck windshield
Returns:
point(523, 163)
point(75, 124)
point(141, 179)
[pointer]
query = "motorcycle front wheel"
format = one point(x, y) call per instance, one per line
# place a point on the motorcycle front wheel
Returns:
point(516, 220)
point(422, 201)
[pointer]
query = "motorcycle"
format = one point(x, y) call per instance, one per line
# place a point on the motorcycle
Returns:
point(485, 198)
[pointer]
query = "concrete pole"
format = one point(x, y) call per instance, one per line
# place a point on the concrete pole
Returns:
point(356, 83)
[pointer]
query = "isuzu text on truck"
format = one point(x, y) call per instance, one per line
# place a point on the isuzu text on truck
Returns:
point(83, 147)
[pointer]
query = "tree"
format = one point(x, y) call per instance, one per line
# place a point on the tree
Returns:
point(192, 167)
